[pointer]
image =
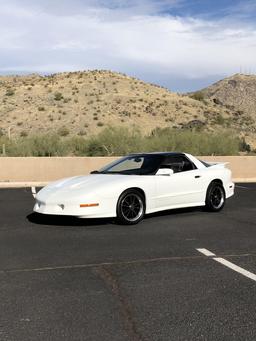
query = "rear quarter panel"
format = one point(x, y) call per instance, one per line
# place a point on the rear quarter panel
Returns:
point(223, 174)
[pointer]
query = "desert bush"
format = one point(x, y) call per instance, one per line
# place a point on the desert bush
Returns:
point(9, 92)
point(125, 113)
point(243, 146)
point(114, 141)
point(44, 145)
point(198, 95)
point(219, 119)
point(58, 96)
point(121, 141)
point(81, 132)
point(23, 133)
point(203, 143)
point(63, 131)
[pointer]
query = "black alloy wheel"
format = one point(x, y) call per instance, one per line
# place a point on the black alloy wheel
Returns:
point(130, 207)
point(215, 197)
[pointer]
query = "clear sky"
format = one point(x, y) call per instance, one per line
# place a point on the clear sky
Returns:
point(181, 44)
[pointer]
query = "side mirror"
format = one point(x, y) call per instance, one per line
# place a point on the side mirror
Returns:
point(94, 172)
point(165, 171)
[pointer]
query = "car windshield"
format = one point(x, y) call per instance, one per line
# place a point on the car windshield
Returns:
point(134, 165)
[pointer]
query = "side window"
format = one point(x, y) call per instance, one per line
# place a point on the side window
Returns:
point(178, 163)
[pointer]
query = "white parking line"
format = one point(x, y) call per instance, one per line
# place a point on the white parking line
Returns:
point(228, 264)
point(236, 268)
point(206, 252)
point(238, 186)
point(33, 190)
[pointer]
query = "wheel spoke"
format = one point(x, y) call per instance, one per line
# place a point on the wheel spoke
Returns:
point(217, 197)
point(132, 207)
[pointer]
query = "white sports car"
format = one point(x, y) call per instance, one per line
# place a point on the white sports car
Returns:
point(139, 184)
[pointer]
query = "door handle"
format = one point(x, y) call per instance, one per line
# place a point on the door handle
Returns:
point(197, 176)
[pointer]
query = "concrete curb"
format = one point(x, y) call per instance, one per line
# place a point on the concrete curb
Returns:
point(245, 180)
point(22, 184)
point(42, 184)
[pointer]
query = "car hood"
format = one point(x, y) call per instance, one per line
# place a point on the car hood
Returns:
point(102, 184)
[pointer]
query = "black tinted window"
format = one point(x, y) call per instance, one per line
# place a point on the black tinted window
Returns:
point(178, 163)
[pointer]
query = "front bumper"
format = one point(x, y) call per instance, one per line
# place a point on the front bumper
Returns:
point(74, 209)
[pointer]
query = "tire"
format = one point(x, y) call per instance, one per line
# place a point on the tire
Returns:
point(215, 197)
point(130, 207)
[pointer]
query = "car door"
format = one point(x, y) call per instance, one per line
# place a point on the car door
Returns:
point(185, 187)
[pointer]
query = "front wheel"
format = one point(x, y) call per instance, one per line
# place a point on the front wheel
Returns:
point(215, 197)
point(130, 207)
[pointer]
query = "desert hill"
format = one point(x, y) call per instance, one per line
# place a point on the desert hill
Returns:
point(83, 103)
point(237, 92)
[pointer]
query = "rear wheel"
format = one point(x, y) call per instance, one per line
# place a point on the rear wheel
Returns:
point(215, 197)
point(130, 207)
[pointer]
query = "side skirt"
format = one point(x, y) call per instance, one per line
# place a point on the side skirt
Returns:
point(174, 207)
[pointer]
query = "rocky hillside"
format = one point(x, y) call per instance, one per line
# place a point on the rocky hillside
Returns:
point(237, 92)
point(83, 103)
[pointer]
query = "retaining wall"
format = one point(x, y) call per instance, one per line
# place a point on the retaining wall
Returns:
point(45, 169)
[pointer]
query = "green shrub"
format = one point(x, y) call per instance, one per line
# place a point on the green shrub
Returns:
point(219, 119)
point(44, 145)
point(63, 131)
point(9, 92)
point(121, 141)
point(58, 96)
point(81, 132)
point(243, 146)
point(198, 96)
point(23, 133)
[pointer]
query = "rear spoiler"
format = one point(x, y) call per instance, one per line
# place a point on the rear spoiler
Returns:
point(217, 164)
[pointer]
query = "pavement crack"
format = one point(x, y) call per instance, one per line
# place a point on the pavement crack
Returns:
point(126, 310)
point(119, 263)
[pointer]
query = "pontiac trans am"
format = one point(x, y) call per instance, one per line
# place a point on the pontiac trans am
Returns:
point(139, 184)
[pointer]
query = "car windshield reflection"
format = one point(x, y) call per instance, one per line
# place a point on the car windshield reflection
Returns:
point(134, 165)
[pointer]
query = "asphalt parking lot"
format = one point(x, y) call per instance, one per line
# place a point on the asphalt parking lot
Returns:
point(70, 279)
